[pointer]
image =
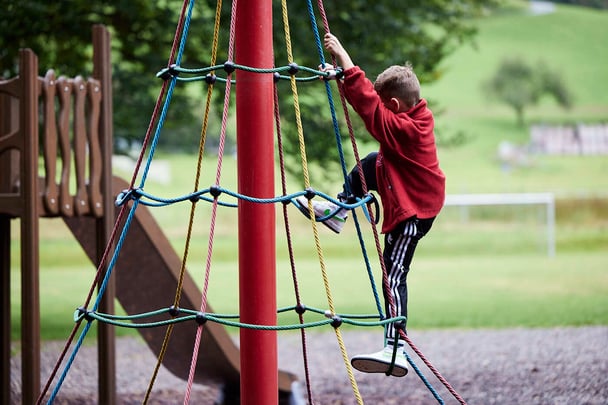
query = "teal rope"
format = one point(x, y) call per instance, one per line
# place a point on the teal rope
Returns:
point(175, 72)
point(342, 160)
point(425, 381)
point(104, 283)
point(126, 320)
point(156, 201)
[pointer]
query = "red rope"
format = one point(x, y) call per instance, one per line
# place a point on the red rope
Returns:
point(119, 219)
point(375, 231)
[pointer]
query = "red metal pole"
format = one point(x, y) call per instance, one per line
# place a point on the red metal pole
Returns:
point(255, 167)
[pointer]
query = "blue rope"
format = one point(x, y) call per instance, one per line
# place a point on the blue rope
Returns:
point(344, 172)
point(330, 100)
point(69, 362)
point(104, 284)
point(426, 382)
point(341, 154)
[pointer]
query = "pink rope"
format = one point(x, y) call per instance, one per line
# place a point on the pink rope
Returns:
point(121, 213)
point(199, 329)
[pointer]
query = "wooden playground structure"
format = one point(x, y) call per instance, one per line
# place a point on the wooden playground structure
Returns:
point(67, 122)
point(86, 106)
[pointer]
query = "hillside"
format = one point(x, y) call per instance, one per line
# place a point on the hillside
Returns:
point(571, 40)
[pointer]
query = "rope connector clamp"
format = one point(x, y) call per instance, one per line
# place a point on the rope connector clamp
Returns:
point(310, 193)
point(293, 68)
point(229, 67)
point(215, 191)
point(201, 318)
point(168, 72)
point(210, 78)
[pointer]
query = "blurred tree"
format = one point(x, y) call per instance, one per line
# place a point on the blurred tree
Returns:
point(377, 34)
point(59, 32)
point(520, 85)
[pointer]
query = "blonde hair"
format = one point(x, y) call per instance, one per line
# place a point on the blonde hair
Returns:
point(399, 81)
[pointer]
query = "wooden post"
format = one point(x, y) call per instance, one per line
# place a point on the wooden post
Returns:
point(30, 284)
point(106, 339)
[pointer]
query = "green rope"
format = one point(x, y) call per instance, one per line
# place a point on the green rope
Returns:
point(191, 315)
point(205, 74)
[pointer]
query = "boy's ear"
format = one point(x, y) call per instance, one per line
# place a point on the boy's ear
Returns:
point(395, 104)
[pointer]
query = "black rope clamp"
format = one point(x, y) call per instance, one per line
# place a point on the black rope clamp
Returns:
point(201, 318)
point(215, 191)
point(276, 77)
point(173, 311)
point(210, 79)
point(229, 67)
point(168, 72)
point(400, 325)
point(126, 195)
point(336, 321)
point(85, 313)
point(300, 309)
point(310, 193)
point(293, 68)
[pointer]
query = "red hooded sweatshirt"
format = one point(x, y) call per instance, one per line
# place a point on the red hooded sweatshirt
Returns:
point(410, 182)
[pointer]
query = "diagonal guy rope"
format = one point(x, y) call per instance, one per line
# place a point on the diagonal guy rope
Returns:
point(201, 150)
point(199, 329)
point(164, 90)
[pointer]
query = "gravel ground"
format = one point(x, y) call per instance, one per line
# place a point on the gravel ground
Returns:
point(516, 366)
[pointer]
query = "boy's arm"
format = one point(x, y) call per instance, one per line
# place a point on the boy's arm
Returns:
point(333, 45)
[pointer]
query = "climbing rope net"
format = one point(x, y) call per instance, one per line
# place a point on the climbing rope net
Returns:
point(218, 196)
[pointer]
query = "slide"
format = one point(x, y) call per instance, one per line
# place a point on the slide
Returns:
point(146, 275)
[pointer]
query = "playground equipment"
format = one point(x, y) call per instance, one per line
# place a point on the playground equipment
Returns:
point(28, 197)
point(90, 214)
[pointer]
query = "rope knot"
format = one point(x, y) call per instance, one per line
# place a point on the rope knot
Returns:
point(300, 309)
point(229, 67)
point(126, 195)
point(173, 311)
point(82, 312)
point(168, 72)
point(293, 68)
point(215, 191)
point(310, 193)
point(201, 318)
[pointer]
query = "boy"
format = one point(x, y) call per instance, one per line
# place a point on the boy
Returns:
point(405, 172)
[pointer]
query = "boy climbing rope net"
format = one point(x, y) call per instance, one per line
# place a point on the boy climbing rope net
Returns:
point(405, 172)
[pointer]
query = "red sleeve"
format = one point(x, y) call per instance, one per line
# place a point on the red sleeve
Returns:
point(385, 126)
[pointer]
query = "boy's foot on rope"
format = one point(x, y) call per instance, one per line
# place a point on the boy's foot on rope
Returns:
point(381, 362)
point(322, 209)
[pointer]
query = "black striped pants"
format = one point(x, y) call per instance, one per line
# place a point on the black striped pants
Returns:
point(399, 245)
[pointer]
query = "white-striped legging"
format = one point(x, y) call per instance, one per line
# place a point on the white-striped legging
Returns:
point(399, 245)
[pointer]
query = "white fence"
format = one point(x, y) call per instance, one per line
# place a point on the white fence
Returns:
point(569, 139)
point(546, 199)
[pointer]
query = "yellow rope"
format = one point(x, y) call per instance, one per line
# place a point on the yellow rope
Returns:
point(311, 215)
point(203, 136)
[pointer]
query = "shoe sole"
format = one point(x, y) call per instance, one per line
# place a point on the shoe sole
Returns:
point(376, 366)
point(304, 210)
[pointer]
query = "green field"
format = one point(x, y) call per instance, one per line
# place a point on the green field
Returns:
point(488, 268)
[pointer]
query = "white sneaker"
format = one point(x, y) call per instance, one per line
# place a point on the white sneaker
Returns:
point(381, 362)
point(322, 209)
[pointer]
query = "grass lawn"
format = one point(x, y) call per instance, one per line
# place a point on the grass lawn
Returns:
point(490, 270)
